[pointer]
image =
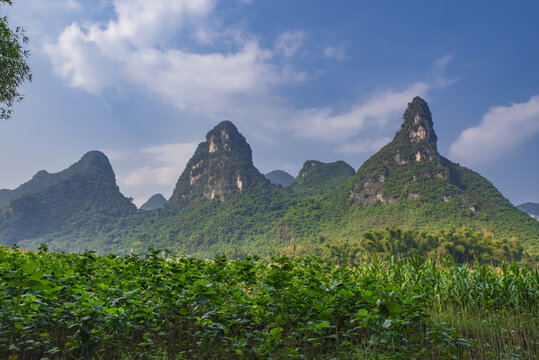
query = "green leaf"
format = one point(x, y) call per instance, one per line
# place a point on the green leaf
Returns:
point(36, 276)
point(276, 331)
point(11, 291)
point(324, 315)
point(184, 311)
point(394, 307)
point(362, 312)
point(28, 268)
point(321, 325)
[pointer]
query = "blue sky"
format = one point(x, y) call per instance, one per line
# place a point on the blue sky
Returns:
point(144, 81)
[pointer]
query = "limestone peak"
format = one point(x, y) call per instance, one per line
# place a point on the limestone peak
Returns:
point(417, 121)
point(416, 140)
point(221, 166)
point(225, 138)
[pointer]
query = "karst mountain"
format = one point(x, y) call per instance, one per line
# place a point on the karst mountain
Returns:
point(222, 204)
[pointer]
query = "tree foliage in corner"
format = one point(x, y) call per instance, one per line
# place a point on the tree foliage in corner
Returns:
point(14, 69)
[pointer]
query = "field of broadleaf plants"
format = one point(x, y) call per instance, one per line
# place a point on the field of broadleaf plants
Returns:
point(70, 306)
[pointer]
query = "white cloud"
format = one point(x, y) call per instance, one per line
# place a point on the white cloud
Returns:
point(173, 154)
point(288, 43)
point(135, 49)
point(75, 57)
point(165, 175)
point(501, 129)
point(139, 48)
point(364, 146)
point(323, 125)
point(72, 4)
point(42, 17)
point(335, 52)
point(152, 169)
point(440, 81)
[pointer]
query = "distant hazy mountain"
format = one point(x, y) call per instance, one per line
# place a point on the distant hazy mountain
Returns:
point(155, 202)
point(531, 209)
point(80, 205)
point(316, 177)
point(279, 177)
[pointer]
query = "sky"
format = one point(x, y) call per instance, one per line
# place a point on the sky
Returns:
point(144, 81)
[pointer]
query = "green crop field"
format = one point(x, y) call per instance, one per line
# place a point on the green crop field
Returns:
point(63, 306)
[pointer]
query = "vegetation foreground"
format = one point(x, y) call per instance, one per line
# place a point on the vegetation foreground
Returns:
point(61, 306)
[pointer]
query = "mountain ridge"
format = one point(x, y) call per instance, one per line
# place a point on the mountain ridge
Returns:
point(85, 195)
point(222, 204)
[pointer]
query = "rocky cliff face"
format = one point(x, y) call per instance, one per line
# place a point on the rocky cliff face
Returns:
point(221, 167)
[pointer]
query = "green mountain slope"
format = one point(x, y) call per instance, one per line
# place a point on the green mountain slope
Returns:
point(81, 205)
point(40, 181)
point(316, 177)
point(220, 201)
point(409, 184)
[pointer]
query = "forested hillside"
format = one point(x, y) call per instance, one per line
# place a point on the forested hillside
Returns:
point(223, 205)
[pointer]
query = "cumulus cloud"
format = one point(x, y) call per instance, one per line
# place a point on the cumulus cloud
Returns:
point(335, 52)
point(324, 125)
point(139, 48)
point(501, 129)
point(135, 49)
point(288, 43)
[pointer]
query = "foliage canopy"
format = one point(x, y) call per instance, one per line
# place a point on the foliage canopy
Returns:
point(14, 69)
